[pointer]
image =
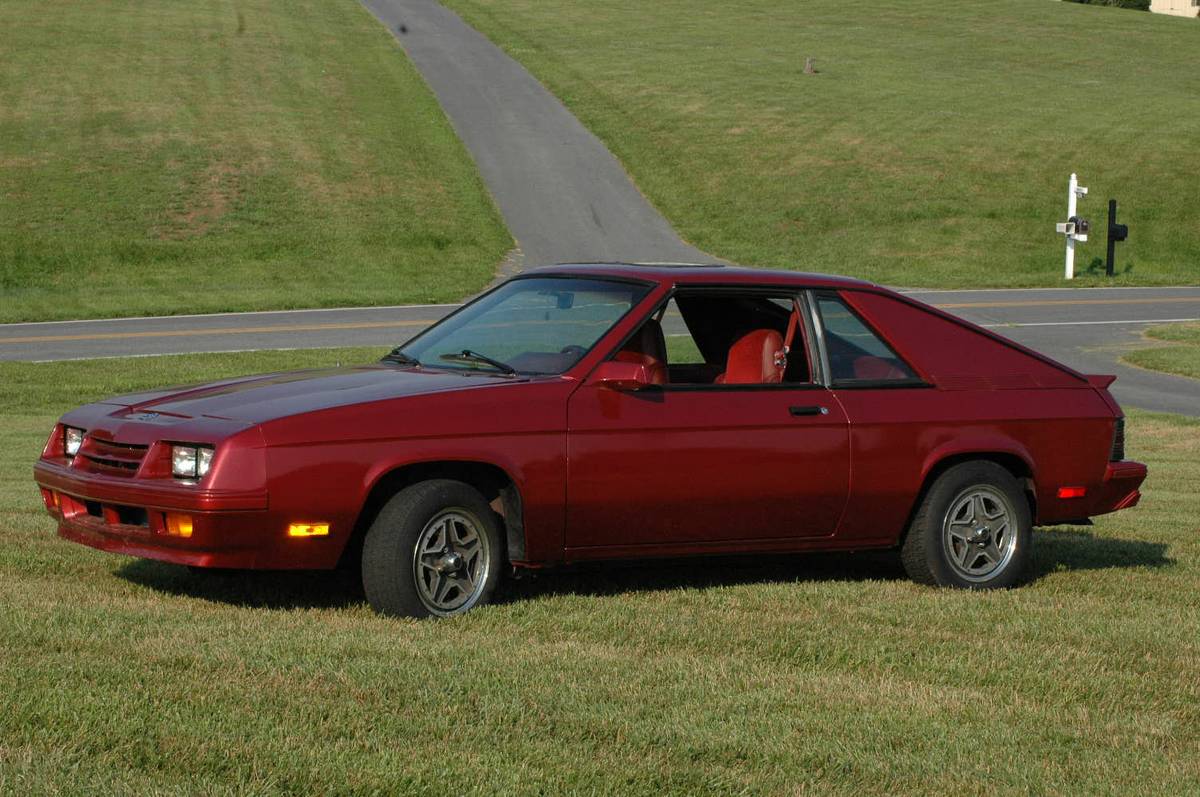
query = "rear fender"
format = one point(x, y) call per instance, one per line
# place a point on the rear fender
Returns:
point(981, 447)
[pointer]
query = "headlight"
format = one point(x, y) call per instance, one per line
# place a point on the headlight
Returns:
point(72, 440)
point(190, 462)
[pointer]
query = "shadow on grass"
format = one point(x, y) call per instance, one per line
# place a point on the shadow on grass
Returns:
point(616, 578)
point(1099, 268)
point(261, 589)
point(1061, 549)
point(1055, 550)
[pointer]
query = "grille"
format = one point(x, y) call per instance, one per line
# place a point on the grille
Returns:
point(1118, 444)
point(118, 459)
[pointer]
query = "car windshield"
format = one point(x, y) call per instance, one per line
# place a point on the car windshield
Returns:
point(531, 325)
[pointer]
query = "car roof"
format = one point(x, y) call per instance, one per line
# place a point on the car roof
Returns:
point(701, 273)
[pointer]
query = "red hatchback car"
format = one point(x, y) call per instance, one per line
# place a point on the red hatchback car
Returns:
point(585, 412)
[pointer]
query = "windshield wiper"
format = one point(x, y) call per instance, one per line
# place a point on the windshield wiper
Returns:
point(468, 356)
point(398, 356)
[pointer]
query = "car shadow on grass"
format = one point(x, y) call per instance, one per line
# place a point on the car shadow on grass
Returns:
point(615, 578)
point(1055, 550)
point(260, 589)
point(1065, 549)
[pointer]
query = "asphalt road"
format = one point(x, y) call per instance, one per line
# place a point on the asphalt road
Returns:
point(1089, 330)
point(566, 199)
point(1086, 329)
point(563, 195)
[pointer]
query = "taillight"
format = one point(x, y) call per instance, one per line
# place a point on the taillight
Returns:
point(1118, 443)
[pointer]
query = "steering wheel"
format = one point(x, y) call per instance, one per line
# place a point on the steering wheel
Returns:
point(577, 351)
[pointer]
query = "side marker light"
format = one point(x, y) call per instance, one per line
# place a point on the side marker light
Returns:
point(308, 530)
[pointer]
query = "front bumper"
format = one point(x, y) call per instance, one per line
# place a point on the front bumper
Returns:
point(228, 528)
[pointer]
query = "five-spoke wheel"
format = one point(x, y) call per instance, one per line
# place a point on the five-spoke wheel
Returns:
point(434, 549)
point(978, 533)
point(973, 529)
point(451, 561)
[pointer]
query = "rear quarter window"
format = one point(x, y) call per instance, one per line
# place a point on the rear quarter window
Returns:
point(856, 353)
point(946, 350)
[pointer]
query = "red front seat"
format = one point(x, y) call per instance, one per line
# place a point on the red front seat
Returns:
point(647, 347)
point(752, 359)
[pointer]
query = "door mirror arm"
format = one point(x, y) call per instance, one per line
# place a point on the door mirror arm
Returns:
point(623, 376)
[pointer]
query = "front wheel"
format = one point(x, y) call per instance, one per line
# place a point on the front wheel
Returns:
point(433, 550)
point(973, 530)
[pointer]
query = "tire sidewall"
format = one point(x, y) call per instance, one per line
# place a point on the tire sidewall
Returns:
point(389, 580)
point(952, 484)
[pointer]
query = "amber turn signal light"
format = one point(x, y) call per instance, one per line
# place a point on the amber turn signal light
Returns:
point(179, 525)
point(50, 498)
point(308, 530)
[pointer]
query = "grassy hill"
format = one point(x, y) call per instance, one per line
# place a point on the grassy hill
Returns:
point(233, 154)
point(797, 676)
point(932, 147)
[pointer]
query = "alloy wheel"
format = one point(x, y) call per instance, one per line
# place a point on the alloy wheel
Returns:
point(451, 562)
point(979, 534)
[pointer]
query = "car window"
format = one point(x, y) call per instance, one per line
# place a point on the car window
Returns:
point(855, 351)
point(681, 346)
point(700, 327)
point(538, 325)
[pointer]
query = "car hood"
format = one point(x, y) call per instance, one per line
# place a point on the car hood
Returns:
point(257, 399)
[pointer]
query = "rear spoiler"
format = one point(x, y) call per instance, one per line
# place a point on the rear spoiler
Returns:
point(1101, 382)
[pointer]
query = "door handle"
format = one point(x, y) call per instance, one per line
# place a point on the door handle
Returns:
point(811, 409)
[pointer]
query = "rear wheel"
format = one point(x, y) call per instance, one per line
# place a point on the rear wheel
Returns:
point(434, 549)
point(973, 530)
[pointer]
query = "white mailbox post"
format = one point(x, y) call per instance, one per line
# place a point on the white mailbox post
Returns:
point(1075, 228)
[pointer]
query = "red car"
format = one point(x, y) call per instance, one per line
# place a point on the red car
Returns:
point(591, 412)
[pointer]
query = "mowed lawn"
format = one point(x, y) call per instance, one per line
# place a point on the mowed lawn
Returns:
point(166, 157)
point(806, 675)
point(931, 148)
point(1181, 356)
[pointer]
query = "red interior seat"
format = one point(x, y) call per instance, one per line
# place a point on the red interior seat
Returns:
point(752, 359)
point(647, 347)
point(867, 367)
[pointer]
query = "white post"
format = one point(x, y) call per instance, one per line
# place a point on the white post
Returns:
point(1072, 198)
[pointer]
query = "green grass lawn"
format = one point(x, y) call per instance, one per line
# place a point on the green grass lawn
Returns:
point(162, 158)
point(1183, 357)
point(798, 676)
point(932, 147)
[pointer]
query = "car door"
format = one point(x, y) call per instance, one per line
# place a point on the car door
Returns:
point(718, 466)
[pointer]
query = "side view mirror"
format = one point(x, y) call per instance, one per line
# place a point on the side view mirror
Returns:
point(621, 376)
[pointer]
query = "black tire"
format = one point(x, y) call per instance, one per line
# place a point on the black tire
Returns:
point(391, 561)
point(973, 555)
